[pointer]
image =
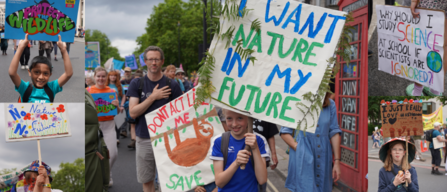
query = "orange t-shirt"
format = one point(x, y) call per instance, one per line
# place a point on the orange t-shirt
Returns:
point(107, 89)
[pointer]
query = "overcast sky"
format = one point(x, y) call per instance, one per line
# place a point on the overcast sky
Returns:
point(54, 151)
point(121, 21)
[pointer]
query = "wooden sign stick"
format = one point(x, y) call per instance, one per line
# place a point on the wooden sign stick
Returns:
point(38, 151)
point(249, 130)
point(406, 158)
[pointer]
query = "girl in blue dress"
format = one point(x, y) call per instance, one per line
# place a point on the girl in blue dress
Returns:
point(310, 156)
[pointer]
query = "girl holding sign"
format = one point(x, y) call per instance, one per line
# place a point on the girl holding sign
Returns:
point(396, 170)
point(310, 164)
point(106, 123)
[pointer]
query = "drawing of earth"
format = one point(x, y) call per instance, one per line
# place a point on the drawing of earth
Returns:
point(434, 61)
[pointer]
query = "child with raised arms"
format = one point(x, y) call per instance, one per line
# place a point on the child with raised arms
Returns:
point(40, 70)
point(229, 176)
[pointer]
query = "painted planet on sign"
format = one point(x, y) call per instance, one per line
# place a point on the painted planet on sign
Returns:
point(434, 61)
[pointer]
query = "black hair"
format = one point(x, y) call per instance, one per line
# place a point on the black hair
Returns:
point(41, 59)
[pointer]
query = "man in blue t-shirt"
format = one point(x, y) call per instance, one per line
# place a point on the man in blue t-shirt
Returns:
point(436, 153)
point(155, 94)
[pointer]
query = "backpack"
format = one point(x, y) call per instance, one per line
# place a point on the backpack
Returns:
point(96, 153)
point(29, 90)
point(429, 135)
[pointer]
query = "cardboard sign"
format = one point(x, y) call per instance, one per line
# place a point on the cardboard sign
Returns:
point(130, 62)
point(43, 20)
point(103, 102)
point(29, 121)
point(181, 140)
point(412, 48)
point(292, 50)
point(92, 58)
point(401, 119)
point(430, 119)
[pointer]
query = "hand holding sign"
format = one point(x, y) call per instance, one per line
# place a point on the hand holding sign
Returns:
point(62, 46)
point(413, 7)
point(24, 43)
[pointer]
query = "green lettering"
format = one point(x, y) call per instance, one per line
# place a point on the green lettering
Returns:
point(173, 183)
point(234, 101)
point(68, 24)
point(15, 21)
point(61, 24)
point(300, 49)
point(309, 53)
point(197, 179)
point(179, 182)
point(276, 99)
point(280, 49)
point(48, 27)
point(256, 41)
point(40, 23)
point(224, 87)
point(31, 29)
point(273, 42)
point(285, 106)
point(25, 25)
point(240, 33)
point(253, 90)
point(212, 168)
point(188, 182)
point(264, 104)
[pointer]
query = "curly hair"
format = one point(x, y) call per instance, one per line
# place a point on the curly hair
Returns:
point(117, 82)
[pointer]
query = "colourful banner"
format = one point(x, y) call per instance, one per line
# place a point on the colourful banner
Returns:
point(104, 105)
point(7, 181)
point(43, 20)
point(142, 63)
point(2, 35)
point(401, 119)
point(92, 55)
point(292, 49)
point(117, 64)
point(181, 139)
point(434, 117)
point(29, 121)
point(130, 62)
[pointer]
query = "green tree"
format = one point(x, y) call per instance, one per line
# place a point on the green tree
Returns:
point(106, 50)
point(70, 177)
point(162, 31)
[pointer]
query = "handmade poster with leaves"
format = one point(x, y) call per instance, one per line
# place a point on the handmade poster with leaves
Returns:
point(43, 20)
point(29, 121)
point(181, 139)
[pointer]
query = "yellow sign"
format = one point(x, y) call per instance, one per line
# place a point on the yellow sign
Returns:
point(428, 120)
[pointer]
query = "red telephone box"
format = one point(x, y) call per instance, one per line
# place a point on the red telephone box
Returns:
point(351, 89)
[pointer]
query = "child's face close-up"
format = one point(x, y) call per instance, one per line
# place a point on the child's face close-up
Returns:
point(40, 74)
point(397, 152)
point(100, 78)
point(112, 78)
point(236, 122)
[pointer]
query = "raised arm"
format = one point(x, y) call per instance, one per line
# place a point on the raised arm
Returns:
point(67, 63)
point(15, 61)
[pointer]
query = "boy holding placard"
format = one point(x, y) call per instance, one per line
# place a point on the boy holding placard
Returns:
point(40, 70)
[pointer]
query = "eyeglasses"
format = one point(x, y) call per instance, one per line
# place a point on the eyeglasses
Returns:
point(397, 150)
point(152, 60)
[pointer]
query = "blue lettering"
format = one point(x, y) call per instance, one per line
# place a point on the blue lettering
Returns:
point(20, 128)
point(242, 6)
point(300, 82)
point(286, 73)
point(297, 12)
point(277, 22)
point(14, 114)
point(331, 29)
point(236, 57)
point(310, 23)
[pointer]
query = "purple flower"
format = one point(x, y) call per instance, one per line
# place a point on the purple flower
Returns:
point(9, 124)
point(11, 106)
point(37, 115)
point(59, 119)
point(54, 119)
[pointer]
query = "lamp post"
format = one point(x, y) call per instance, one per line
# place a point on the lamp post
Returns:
point(204, 27)
point(178, 31)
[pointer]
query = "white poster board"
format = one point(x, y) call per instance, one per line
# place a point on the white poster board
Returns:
point(181, 140)
point(437, 144)
point(33, 121)
point(292, 49)
point(412, 48)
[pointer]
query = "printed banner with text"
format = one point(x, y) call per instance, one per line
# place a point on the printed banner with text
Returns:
point(29, 121)
point(181, 139)
point(432, 118)
point(41, 20)
point(401, 119)
point(130, 62)
point(292, 49)
point(412, 48)
point(92, 58)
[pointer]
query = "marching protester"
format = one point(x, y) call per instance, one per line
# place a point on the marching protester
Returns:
point(170, 72)
point(180, 75)
point(317, 146)
point(40, 71)
point(228, 175)
point(38, 177)
point(113, 81)
point(127, 76)
point(396, 170)
point(157, 90)
point(45, 47)
point(435, 153)
point(106, 123)
point(3, 41)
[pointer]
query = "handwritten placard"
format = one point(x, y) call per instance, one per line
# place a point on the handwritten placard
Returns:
point(181, 139)
point(103, 102)
point(43, 20)
point(401, 119)
point(412, 48)
point(28, 121)
point(292, 49)
point(92, 58)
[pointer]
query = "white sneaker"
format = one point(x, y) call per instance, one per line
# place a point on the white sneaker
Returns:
point(110, 182)
point(23, 67)
point(26, 67)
